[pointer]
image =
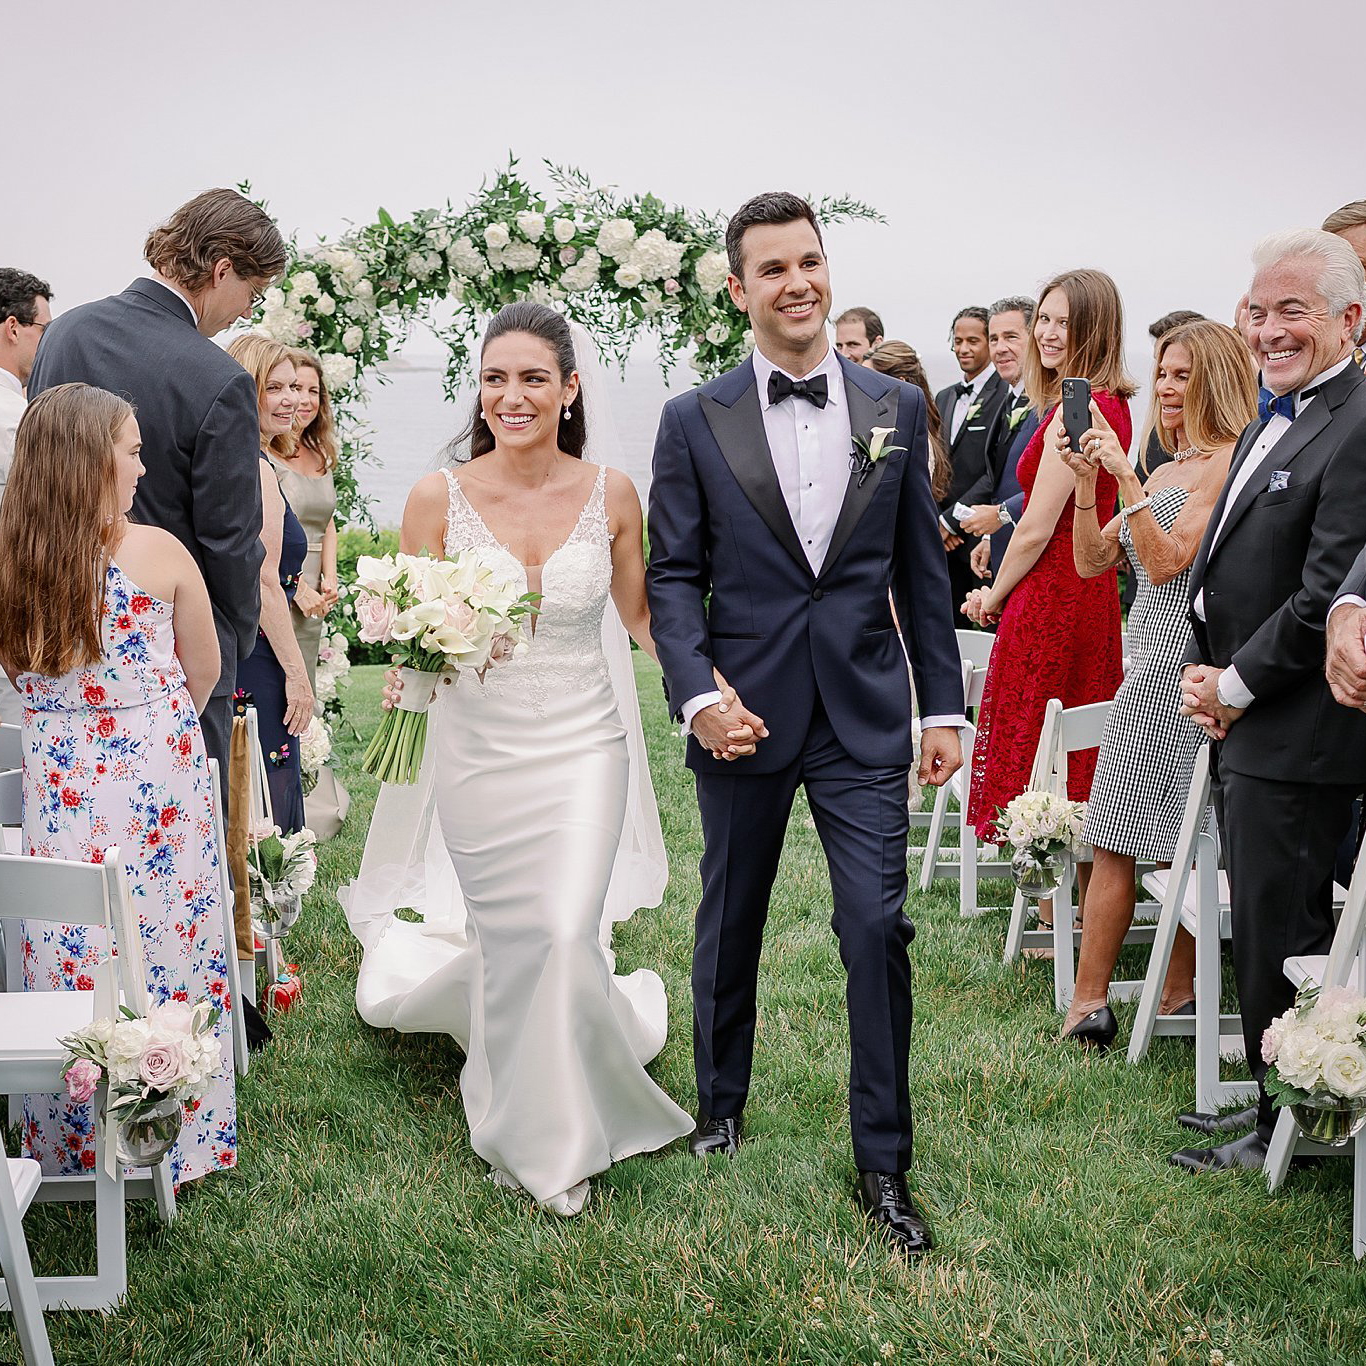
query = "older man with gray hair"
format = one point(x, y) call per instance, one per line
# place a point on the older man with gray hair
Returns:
point(1287, 759)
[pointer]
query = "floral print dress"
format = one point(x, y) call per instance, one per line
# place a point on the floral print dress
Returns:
point(113, 755)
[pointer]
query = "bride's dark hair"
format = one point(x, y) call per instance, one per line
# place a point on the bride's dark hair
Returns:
point(536, 320)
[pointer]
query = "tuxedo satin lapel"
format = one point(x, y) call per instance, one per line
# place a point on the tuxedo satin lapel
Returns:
point(865, 413)
point(1302, 431)
point(739, 431)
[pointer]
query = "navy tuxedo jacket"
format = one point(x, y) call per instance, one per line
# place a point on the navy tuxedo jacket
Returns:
point(1269, 578)
point(730, 586)
point(201, 443)
point(1007, 488)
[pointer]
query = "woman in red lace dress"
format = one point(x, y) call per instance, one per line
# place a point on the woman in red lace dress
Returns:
point(1059, 634)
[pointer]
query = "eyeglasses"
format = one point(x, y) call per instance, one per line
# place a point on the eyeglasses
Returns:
point(40, 326)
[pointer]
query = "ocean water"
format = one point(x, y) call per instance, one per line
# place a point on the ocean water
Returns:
point(412, 420)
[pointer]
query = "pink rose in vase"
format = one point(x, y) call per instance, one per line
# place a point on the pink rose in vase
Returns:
point(161, 1066)
point(82, 1080)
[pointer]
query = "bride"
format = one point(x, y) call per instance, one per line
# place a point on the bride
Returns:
point(533, 826)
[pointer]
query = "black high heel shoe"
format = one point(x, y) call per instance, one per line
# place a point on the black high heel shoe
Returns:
point(1096, 1030)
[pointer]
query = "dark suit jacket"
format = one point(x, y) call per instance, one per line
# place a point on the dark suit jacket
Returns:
point(200, 439)
point(969, 455)
point(1269, 580)
point(730, 586)
point(1007, 488)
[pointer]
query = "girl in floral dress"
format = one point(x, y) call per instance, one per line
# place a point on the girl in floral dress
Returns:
point(107, 631)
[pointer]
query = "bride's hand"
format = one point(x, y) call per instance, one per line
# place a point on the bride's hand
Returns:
point(748, 730)
point(393, 689)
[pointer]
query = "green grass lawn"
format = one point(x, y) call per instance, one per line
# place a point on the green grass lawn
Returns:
point(359, 1227)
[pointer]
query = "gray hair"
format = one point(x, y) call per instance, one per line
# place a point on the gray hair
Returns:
point(1342, 281)
point(1014, 303)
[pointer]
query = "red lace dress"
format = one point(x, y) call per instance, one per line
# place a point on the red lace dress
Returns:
point(1058, 637)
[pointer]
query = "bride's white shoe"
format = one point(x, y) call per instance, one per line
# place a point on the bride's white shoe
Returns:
point(566, 1203)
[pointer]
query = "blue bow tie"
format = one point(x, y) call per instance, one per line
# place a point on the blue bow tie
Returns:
point(1269, 404)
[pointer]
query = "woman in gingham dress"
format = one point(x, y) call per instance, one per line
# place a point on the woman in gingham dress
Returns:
point(1204, 394)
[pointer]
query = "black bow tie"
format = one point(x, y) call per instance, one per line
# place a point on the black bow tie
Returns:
point(1019, 401)
point(814, 390)
point(964, 388)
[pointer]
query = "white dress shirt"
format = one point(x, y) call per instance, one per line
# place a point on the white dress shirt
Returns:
point(810, 447)
point(12, 405)
point(1232, 691)
point(965, 401)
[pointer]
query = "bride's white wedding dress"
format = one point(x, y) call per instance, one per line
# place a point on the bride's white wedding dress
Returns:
point(532, 828)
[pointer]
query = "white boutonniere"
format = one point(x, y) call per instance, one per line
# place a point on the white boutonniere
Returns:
point(868, 451)
point(1017, 415)
point(974, 411)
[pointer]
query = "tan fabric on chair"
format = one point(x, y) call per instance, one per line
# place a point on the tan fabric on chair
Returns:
point(239, 814)
point(326, 806)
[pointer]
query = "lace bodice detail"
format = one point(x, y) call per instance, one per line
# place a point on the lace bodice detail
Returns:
point(566, 651)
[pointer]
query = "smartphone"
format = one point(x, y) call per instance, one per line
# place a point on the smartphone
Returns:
point(1076, 410)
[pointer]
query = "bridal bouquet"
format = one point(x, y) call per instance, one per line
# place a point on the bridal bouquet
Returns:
point(437, 615)
point(1041, 828)
point(155, 1064)
point(1317, 1057)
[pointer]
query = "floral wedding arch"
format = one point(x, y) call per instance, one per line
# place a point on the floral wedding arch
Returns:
point(622, 266)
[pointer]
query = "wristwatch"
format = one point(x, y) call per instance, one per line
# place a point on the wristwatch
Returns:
point(1003, 514)
point(1127, 512)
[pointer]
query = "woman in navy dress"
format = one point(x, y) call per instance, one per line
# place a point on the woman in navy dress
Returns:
point(274, 678)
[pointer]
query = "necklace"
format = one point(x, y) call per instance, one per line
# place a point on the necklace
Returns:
point(1179, 456)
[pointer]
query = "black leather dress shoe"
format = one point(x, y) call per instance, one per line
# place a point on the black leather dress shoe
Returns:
point(715, 1136)
point(1096, 1030)
point(887, 1202)
point(1248, 1153)
point(1236, 1121)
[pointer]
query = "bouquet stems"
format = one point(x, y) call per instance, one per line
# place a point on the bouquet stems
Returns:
point(395, 753)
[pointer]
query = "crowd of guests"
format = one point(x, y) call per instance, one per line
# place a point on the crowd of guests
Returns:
point(160, 575)
point(1236, 521)
point(168, 507)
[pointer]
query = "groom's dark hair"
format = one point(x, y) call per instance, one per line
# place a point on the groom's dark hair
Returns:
point(777, 206)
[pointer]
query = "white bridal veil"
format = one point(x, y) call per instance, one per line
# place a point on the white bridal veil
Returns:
point(406, 863)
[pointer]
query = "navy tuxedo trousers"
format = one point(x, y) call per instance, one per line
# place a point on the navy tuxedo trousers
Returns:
point(861, 818)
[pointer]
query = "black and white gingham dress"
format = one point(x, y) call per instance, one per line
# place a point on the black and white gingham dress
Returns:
point(1148, 750)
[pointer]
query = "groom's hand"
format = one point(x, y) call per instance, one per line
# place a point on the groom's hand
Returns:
point(941, 755)
point(728, 729)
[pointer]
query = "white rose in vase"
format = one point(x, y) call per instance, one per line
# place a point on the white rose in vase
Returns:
point(1344, 1070)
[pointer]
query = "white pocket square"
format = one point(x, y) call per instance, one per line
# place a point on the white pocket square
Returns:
point(1280, 479)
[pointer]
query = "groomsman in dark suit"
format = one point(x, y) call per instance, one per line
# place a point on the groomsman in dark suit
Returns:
point(966, 410)
point(996, 500)
point(1281, 543)
point(196, 405)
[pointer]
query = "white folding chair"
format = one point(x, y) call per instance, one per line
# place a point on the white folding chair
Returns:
point(32, 1022)
point(19, 1180)
point(1065, 731)
point(11, 819)
point(1342, 966)
point(240, 1058)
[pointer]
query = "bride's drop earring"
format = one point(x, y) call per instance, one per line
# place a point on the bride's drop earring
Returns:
point(566, 414)
point(483, 415)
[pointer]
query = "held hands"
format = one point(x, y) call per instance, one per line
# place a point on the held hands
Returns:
point(309, 601)
point(1099, 447)
point(728, 728)
point(981, 607)
point(980, 560)
point(331, 594)
point(1346, 666)
point(941, 755)
point(1200, 701)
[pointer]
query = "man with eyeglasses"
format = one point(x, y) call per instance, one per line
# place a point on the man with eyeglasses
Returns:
point(24, 313)
point(196, 406)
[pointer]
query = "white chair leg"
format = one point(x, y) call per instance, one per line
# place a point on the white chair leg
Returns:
point(1015, 931)
point(164, 1190)
point(1359, 1200)
point(967, 868)
point(1281, 1149)
point(930, 857)
point(1164, 939)
point(18, 1289)
point(1207, 1089)
point(1064, 965)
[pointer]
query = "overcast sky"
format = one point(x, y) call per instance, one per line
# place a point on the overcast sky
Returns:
point(1154, 140)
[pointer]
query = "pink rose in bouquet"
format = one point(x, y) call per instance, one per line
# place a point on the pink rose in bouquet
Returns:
point(375, 616)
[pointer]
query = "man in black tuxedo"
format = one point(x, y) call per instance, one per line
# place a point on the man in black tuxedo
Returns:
point(790, 501)
point(966, 410)
point(196, 405)
point(1282, 539)
point(996, 501)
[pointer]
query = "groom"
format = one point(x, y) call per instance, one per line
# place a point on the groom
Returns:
point(779, 521)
